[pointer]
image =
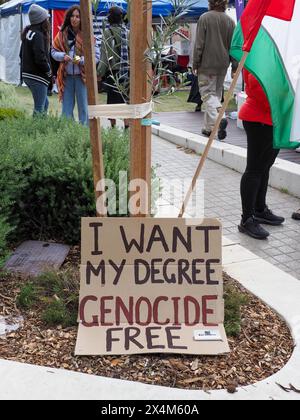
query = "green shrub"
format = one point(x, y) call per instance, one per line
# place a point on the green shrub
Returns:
point(28, 296)
point(46, 178)
point(10, 113)
point(8, 96)
point(55, 295)
point(5, 229)
point(234, 300)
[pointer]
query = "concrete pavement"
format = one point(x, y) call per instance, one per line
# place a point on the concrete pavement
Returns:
point(221, 175)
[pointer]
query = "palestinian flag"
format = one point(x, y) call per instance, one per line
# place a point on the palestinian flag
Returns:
point(269, 29)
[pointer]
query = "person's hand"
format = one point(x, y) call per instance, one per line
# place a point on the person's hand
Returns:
point(76, 59)
point(232, 74)
point(99, 78)
point(67, 58)
point(195, 71)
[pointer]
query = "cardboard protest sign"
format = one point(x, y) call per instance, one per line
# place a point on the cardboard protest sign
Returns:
point(150, 285)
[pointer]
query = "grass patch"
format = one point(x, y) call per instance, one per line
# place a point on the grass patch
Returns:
point(57, 313)
point(175, 102)
point(25, 101)
point(10, 113)
point(54, 295)
point(8, 96)
point(28, 296)
point(234, 300)
point(165, 103)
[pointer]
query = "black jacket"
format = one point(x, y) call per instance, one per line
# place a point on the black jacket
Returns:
point(35, 60)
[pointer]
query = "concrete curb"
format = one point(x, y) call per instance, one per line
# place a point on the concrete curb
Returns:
point(276, 288)
point(284, 175)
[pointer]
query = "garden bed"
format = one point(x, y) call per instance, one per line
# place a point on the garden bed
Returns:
point(262, 348)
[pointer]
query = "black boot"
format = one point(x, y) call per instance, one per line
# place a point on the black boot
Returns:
point(252, 228)
point(206, 133)
point(222, 133)
point(296, 215)
point(268, 218)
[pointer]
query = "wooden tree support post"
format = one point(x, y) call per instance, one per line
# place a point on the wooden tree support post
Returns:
point(140, 92)
point(213, 134)
point(91, 81)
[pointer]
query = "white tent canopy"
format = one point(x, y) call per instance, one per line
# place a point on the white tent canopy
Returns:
point(10, 34)
point(11, 4)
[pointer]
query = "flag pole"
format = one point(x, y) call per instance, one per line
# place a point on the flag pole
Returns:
point(213, 133)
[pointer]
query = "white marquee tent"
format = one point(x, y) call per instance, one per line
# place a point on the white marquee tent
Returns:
point(14, 17)
point(10, 30)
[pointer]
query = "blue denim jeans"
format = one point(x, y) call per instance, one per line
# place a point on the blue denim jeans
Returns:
point(75, 88)
point(39, 92)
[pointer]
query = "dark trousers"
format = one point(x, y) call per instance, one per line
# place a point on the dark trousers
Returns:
point(260, 158)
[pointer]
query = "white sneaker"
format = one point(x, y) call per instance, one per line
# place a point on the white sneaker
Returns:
point(297, 150)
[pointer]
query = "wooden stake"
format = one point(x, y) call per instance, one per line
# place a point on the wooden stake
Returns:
point(213, 134)
point(92, 88)
point(140, 92)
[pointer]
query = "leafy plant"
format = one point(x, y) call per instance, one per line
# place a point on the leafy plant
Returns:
point(5, 229)
point(10, 113)
point(234, 300)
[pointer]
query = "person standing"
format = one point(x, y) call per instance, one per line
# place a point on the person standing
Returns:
point(257, 121)
point(71, 81)
point(35, 60)
point(114, 64)
point(211, 60)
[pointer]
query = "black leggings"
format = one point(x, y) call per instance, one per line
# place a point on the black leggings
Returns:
point(260, 158)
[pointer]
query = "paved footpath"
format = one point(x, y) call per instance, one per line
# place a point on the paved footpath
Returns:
point(222, 200)
point(192, 122)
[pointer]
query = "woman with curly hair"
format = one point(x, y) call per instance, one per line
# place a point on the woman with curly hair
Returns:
point(71, 80)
